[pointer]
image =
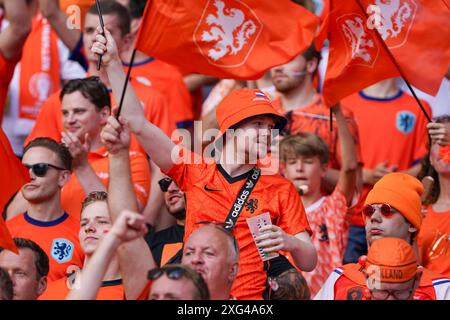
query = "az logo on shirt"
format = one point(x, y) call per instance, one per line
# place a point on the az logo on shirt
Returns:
point(405, 121)
point(62, 250)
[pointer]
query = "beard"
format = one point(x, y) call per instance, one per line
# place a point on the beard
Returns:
point(179, 214)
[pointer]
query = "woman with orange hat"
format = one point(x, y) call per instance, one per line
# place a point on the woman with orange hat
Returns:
point(434, 236)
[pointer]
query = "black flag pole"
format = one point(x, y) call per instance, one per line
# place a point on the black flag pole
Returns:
point(398, 67)
point(102, 25)
point(331, 120)
point(125, 85)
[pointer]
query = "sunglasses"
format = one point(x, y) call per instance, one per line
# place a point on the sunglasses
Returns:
point(40, 169)
point(173, 273)
point(164, 184)
point(397, 294)
point(386, 210)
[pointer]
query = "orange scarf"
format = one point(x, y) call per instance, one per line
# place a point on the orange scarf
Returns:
point(39, 72)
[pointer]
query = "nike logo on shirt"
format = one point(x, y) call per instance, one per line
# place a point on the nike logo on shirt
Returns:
point(209, 189)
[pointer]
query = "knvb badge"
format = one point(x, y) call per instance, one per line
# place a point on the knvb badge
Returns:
point(227, 32)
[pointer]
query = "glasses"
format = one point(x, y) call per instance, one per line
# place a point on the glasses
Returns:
point(386, 210)
point(164, 184)
point(397, 294)
point(173, 273)
point(40, 169)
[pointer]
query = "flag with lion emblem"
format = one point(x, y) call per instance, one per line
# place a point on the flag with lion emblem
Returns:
point(413, 32)
point(238, 39)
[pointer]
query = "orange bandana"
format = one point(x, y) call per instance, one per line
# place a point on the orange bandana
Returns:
point(391, 260)
point(39, 71)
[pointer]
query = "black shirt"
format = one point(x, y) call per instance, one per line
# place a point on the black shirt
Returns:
point(157, 240)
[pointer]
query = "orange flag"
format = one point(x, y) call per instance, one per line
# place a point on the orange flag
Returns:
point(417, 33)
point(237, 39)
point(357, 58)
point(14, 176)
point(372, 40)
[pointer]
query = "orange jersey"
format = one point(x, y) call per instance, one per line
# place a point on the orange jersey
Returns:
point(349, 283)
point(315, 118)
point(328, 220)
point(434, 241)
point(49, 120)
point(58, 238)
point(391, 130)
point(72, 194)
point(7, 71)
point(59, 289)
point(168, 80)
point(210, 194)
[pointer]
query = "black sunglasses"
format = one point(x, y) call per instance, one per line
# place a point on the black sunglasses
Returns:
point(40, 169)
point(173, 273)
point(164, 184)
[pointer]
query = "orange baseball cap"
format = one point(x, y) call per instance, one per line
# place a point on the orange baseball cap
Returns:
point(242, 104)
point(391, 260)
point(401, 191)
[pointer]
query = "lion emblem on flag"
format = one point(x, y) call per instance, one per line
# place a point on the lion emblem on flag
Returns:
point(360, 42)
point(393, 19)
point(227, 32)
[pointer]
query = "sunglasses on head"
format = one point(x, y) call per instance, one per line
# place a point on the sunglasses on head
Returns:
point(386, 210)
point(173, 273)
point(164, 184)
point(40, 169)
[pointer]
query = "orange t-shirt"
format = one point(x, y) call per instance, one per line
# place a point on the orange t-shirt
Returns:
point(434, 241)
point(272, 193)
point(329, 223)
point(59, 289)
point(315, 118)
point(168, 80)
point(156, 110)
point(392, 130)
point(58, 238)
point(6, 71)
point(72, 194)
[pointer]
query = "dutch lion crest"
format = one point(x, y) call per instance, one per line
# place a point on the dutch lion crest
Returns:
point(354, 32)
point(392, 19)
point(227, 32)
point(62, 250)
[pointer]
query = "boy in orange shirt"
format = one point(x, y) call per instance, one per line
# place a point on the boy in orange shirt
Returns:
point(305, 158)
point(95, 224)
point(44, 220)
point(212, 188)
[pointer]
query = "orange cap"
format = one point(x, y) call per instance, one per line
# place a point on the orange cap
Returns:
point(242, 104)
point(402, 192)
point(391, 260)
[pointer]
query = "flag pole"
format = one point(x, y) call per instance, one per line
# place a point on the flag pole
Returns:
point(125, 85)
point(102, 25)
point(397, 66)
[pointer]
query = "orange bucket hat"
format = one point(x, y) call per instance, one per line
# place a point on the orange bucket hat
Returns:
point(402, 192)
point(391, 260)
point(242, 104)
